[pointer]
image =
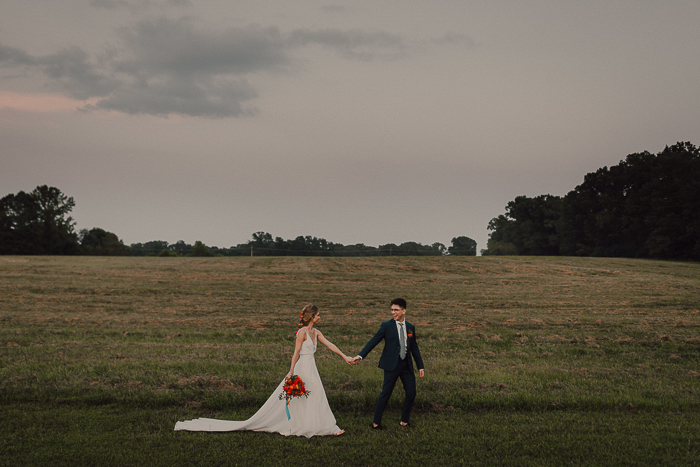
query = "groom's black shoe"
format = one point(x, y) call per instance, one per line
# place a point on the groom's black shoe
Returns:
point(376, 427)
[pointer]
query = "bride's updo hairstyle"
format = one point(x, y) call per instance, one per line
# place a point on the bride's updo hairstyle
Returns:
point(307, 314)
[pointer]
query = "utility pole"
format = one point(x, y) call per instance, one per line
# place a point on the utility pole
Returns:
point(251, 249)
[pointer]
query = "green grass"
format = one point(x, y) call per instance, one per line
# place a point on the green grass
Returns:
point(535, 361)
point(65, 434)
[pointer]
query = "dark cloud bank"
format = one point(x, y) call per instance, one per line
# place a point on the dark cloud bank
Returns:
point(167, 67)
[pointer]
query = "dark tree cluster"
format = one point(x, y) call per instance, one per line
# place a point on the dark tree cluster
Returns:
point(98, 242)
point(180, 248)
point(263, 244)
point(647, 206)
point(37, 223)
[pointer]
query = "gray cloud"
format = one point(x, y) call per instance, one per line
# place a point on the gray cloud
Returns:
point(71, 71)
point(177, 47)
point(196, 97)
point(172, 67)
point(12, 57)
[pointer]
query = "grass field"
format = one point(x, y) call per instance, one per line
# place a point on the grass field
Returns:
point(529, 361)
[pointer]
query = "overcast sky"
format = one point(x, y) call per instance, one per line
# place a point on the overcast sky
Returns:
point(362, 121)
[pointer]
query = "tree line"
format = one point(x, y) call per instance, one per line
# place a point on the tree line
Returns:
point(38, 223)
point(647, 206)
point(263, 244)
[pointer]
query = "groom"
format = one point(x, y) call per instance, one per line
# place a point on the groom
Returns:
point(399, 344)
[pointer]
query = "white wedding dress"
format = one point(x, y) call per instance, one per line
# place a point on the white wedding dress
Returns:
point(310, 416)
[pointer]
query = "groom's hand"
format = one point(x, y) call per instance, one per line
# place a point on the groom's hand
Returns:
point(421, 373)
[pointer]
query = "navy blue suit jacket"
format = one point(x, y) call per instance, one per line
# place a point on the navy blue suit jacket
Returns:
point(390, 354)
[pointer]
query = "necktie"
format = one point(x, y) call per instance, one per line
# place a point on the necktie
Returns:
point(402, 343)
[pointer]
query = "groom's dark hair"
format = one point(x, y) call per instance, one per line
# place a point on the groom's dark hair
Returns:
point(400, 302)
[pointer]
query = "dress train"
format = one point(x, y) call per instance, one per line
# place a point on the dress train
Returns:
point(310, 416)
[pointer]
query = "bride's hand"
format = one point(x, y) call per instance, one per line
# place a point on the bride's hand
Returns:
point(348, 360)
point(289, 375)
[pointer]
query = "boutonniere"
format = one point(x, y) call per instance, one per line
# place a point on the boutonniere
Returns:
point(410, 334)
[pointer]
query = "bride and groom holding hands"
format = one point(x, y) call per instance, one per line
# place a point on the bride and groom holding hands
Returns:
point(312, 416)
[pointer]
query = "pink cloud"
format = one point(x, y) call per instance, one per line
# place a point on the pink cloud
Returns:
point(40, 102)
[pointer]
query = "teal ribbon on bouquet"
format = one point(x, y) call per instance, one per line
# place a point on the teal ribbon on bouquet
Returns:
point(286, 407)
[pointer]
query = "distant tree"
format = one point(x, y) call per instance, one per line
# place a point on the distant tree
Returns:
point(216, 251)
point(297, 247)
point(494, 248)
point(19, 225)
point(37, 223)
point(462, 246)
point(262, 244)
point(316, 246)
point(358, 249)
point(200, 249)
point(262, 239)
point(57, 228)
point(279, 247)
point(501, 228)
point(530, 224)
point(390, 249)
point(99, 242)
point(162, 248)
point(439, 249)
point(181, 248)
point(409, 249)
point(647, 206)
point(152, 248)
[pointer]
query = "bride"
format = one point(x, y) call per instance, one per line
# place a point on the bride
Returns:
point(308, 416)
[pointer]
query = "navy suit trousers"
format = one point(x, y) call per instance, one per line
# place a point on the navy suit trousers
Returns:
point(408, 379)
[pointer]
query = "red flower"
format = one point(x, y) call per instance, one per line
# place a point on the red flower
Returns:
point(293, 387)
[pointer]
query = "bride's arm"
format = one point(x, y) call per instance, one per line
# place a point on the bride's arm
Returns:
point(297, 349)
point(332, 347)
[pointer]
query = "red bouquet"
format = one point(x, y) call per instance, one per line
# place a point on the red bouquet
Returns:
point(293, 387)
